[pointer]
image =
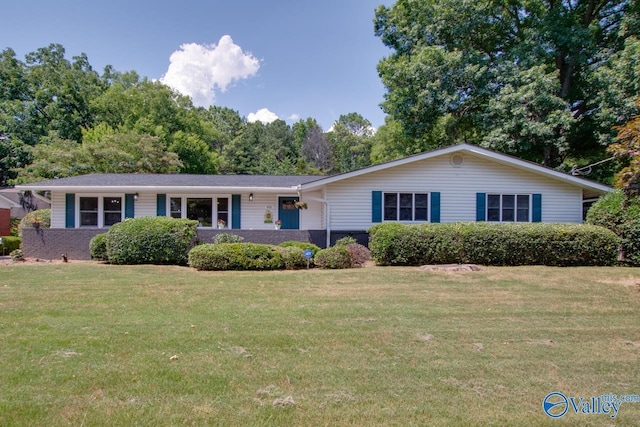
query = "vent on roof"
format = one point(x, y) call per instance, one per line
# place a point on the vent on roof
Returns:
point(457, 160)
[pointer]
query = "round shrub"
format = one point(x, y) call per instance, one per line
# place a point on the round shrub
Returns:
point(236, 256)
point(334, 257)
point(302, 245)
point(293, 258)
point(358, 253)
point(17, 255)
point(9, 244)
point(40, 218)
point(608, 212)
point(98, 247)
point(151, 240)
point(227, 238)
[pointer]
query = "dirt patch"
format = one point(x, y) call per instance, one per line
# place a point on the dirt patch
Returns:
point(36, 261)
point(450, 267)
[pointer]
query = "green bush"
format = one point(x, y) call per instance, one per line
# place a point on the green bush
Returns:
point(98, 247)
point(227, 238)
point(293, 258)
point(36, 219)
point(348, 240)
point(334, 257)
point(493, 244)
point(301, 245)
point(17, 255)
point(358, 253)
point(151, 240)
point(607, 212)
point(15, 227)
point(9, 244)
point(236, 256)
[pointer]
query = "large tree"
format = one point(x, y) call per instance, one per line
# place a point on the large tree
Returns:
point(491, 65)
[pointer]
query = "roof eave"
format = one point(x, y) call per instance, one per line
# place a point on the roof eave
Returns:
point(155, 189)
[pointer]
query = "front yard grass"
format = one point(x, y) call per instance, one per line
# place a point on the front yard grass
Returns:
point(92, 344)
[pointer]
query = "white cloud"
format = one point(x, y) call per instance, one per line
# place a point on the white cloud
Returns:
point(263, 115)
point(294, 117)
point(197, 70)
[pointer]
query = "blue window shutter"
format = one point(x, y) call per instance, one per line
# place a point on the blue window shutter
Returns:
point(376, 206)
point(70, 210)
point(435, 206)
point(161, 205)
point(235, 212)
point(129, 209)
point(536, 213)
point(481, 206)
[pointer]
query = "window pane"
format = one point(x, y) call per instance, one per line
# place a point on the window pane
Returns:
point(200, 210)
point(391, 207)
point(508, 201)
point(89, 204)
point(421, 212)
point(176, 207)
point(422, 200)
point(508, 215)
point(406, 214)
point(112, 207)
point(223, 210)
point(406, 200)
point(493, 207)
point(112, 204)
point(89, 219)
point(493, 201)
point(88, 211)
point(523, 208)
point(111, 218)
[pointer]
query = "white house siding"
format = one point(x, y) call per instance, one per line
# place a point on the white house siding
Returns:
point(58, 211)
point(351, 198)
point(312, 218)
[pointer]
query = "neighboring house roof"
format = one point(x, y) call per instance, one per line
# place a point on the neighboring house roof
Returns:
point(7, 203)
point(14, 196)
point(172, 182)
point(590, 186)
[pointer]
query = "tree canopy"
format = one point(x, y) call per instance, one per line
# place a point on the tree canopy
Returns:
point(541, 79)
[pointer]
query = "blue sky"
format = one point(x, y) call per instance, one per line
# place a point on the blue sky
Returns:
point(290, 58)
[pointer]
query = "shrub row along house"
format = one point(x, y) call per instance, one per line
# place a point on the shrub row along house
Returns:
point(457, 183)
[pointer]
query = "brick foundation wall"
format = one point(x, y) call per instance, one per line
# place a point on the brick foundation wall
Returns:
point(5, 222)
point(51, 243)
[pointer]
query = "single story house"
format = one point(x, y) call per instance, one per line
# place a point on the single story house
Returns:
point(457, 183)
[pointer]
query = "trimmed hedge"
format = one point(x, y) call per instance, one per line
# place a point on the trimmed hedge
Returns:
point(41, 217)
point(607, 212)
point(293, 258)
point(9, 244)
point(236, 256)
point(493, 244)
point(227, 238)
point(98, 247)
point(151, 240)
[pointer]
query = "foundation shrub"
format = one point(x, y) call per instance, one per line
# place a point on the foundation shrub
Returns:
point(493, 244)
point(151, 240)
point(335, 257)
point(98, 247)
point(292, 257)
point(236, 256)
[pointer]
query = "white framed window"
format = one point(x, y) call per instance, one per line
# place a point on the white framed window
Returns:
point(208, 211)
point(99, 211)
point(509, 207)
point(410, 207)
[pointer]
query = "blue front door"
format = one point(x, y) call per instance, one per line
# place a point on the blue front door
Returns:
point(288, 213)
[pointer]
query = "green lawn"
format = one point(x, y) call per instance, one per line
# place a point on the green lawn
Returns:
point(91, 344)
